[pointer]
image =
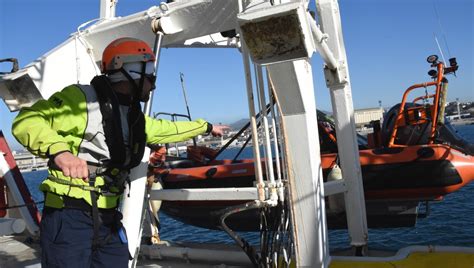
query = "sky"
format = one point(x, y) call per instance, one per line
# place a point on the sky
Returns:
point(387, 43)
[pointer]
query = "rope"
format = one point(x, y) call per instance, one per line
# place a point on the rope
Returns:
point(20, 206)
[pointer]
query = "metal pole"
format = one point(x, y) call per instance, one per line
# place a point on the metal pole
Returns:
point(253, 123)
point(107, 9)
point(134, 197)
point(266, 132)
point(181, 77)
point(275, 136)
point(459, 110)
point(157, 50)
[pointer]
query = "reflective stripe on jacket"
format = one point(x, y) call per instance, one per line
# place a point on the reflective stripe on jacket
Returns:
point(70, 120)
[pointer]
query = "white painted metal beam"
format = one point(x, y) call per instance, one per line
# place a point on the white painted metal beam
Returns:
point(77, 59)
point(279, 36)
point(208, 194)
point(107, 8)
point(235, 257)
point(334, 187)
point(133, 207)
point(196, 18)
point(341, 97)
point(293, 84)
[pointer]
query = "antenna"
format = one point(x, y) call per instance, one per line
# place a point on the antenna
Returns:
point(181, 77)
point(439, 48)
point(443, 33)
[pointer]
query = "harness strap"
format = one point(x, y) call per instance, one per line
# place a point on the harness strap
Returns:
point(94, 192)
point(89, 187)
point(95, 216)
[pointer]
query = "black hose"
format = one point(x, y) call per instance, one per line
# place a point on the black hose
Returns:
point(247, 248)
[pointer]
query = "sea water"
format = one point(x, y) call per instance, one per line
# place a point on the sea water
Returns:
point(450, 222)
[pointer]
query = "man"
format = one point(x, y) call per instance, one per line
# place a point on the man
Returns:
point(93, 135)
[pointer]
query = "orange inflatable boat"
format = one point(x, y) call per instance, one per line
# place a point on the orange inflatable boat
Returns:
point(413, 156)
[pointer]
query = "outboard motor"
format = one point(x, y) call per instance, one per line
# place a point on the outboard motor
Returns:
point(413, 134)
point(409, 134)
point(449, 135)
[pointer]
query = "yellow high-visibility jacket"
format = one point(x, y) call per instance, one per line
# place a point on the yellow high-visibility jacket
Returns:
point(71, 120)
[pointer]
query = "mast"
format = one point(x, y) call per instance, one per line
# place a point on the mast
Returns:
point(107, 9)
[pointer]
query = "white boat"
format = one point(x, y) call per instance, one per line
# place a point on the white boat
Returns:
point(276, 40)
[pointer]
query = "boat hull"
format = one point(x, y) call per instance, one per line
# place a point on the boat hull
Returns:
point(392, 178)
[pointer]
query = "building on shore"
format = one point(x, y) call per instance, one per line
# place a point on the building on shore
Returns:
point(29, 162)
point(364, 117)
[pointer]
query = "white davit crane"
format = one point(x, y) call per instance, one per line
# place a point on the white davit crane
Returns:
point(278, 36)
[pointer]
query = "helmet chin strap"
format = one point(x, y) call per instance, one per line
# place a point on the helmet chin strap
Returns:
point(136, 90)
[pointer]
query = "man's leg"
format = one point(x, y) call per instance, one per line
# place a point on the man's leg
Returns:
point(114, 250)
point(66, 238)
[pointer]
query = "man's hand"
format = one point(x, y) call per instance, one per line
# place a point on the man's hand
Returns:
point(158, 156)
point(71, 165)
point(218, 130)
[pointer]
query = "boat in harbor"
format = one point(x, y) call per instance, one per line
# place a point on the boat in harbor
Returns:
point(296, 176)
point(420, 163)
point(463, 121)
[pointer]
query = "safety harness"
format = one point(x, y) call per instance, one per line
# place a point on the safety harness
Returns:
point(117, 183)
point(115, 170)
point(109, 107)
